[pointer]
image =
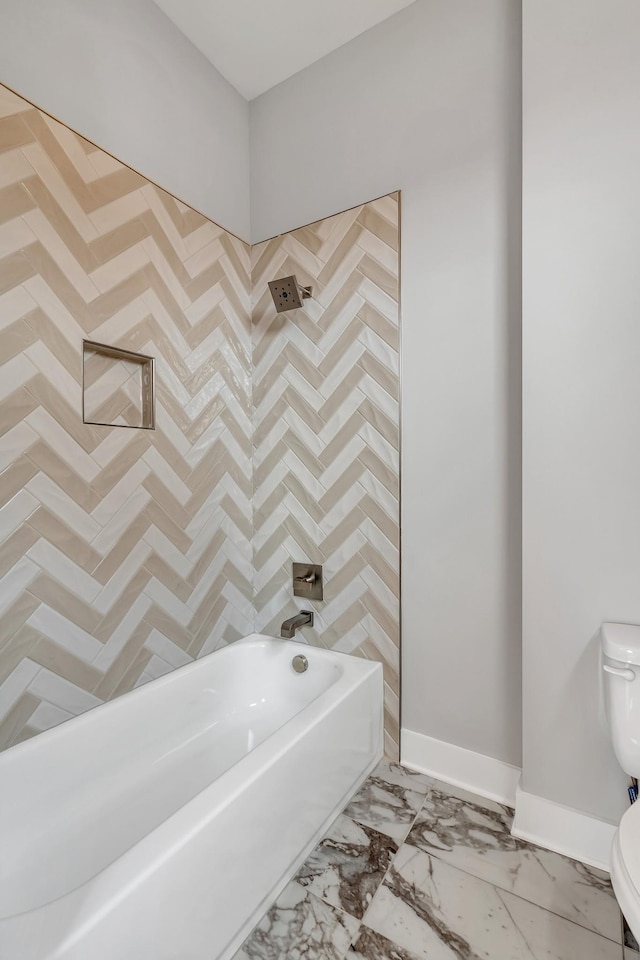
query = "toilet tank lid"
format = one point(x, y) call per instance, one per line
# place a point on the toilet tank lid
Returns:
point(621, 641)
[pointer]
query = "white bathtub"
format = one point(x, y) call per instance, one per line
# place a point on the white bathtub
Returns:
point(162, 824)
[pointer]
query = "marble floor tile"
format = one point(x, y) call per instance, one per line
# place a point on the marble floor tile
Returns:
point(438, 912)
point(389, 800)
point(370, 945)
point(473, 835)
point(299, 926)
point(393, 773)
point(550, 936)
point(347, 866)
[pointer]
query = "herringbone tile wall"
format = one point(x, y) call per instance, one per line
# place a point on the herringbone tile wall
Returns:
point(126, 553)
point(326, 435)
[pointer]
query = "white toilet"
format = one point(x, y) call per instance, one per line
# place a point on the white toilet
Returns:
point(621, 665)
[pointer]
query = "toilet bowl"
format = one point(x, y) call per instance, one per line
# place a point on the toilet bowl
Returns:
point(621, 666)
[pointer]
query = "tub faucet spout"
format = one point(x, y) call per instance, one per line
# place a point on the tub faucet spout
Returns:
point(302, 619)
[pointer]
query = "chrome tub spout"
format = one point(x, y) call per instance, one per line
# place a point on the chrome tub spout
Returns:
point(302, 619)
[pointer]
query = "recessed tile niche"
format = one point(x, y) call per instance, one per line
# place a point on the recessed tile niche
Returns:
point(118, 387)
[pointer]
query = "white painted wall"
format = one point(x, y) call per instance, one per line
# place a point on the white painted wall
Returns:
point(581, 383)
point(429, 102)
point(123, 75)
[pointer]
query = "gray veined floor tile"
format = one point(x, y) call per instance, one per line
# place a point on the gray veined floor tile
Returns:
point(450, 791)
point(400, 776)
point(389, 800)
point(437, 912)
point(474, 835)
point(347, 866)
point(373, 946)
point(550, 936)
point(299, 926)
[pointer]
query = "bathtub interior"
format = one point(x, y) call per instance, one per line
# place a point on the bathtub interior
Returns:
point(81, 795)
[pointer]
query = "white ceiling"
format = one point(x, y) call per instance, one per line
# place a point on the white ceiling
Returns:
point(257, 43)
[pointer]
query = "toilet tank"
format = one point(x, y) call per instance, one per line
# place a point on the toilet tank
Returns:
point(621, 666)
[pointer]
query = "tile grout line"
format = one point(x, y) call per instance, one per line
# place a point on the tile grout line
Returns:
point(468, 873)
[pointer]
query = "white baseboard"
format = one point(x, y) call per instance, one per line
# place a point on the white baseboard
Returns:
point(550, 825)
point(483, 775)
point(563, 829)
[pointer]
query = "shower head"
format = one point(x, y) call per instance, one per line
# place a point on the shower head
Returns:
point(287, 293)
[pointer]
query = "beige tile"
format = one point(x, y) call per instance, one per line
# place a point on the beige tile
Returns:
point(16, 408)
point(168, 626)
point(133, 674)
point(14, 270)
point(389, 430)
point(48, 654)
point(377, 274)
point(332, 406)
point(340, 301)
point(15, 338)
point(120, 609)
point(59, 222)
point(128, 665)
point(15, 547)
point(41, 262)
point(110, 564)
point(61, 254)
point(386, 524)
point(309, 546)
point(384, 619)
point(339, 348)
point(308, 503)
point(104, 482)
point(214, 609)
point(55, 341)
point(14, 132)
point(371, 220)
point(184, 218)
point(385, 571)
point(114, 186)
point(156, 515)
point(17, 718)
point(387, 331)
point(381, 374)
point(11, 103)
point(116, 241)
point(65, 603)
point(44, 458)
point(57, 157)
point(206, 559)
point(237, 431)
point(303, 365)
point(69, 418)
point(346, 433)
point(388, 478)
point(337, 537)
point(242, 523)
point(14, 201)
point(338, 255)
point(15, 632)
point(158, 568)
point(200, 624)
point(118, 297)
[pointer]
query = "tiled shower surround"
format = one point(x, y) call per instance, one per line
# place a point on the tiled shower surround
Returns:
point(126, 553)
point(325, 391)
